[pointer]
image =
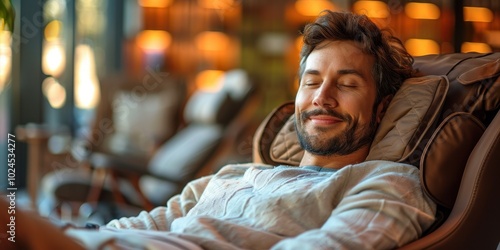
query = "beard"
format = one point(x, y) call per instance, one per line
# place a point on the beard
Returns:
point(352, 138)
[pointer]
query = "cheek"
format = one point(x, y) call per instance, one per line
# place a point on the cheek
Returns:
point(301, 99)
point(359, 108)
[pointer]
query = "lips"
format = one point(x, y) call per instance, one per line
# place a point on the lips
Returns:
point(323, 117)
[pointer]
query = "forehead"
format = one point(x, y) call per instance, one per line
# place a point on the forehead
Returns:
point(340, 54)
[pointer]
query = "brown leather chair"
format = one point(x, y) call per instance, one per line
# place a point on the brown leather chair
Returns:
point(445, 121)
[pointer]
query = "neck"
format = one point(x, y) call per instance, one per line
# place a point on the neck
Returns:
point(335, 161)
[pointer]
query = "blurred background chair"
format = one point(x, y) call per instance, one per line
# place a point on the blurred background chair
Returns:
point(132, 175)
point(115, 128)
point(134, 117)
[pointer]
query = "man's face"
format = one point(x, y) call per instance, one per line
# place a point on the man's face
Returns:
point(334, 106)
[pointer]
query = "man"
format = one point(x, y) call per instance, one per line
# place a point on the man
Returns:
point(348, 73)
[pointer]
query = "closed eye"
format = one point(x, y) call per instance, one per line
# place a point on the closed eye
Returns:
point(309, 83)
point(347, 85)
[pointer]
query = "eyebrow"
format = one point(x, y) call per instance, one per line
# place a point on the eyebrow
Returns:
point(341, 72)
point(311, 72)
point(350, 72)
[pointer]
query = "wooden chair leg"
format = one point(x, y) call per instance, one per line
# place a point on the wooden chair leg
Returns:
point(134, 180)
point(97, 183)
point(115, 188)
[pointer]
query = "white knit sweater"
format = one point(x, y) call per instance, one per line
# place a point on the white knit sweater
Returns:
point(371, 205)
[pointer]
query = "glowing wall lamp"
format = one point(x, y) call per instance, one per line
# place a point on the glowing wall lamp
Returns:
point(54, 91)
point(217, 4)
point(155, 3)
point(373, 9)
point(87, 92)
point(53, 58)
point(420, 47)
point(313, 7)
point(154, 40)
point(154, 44)
point(209, 80)
point(212, 41)
point(475, 47)
point(422, 11)
point(217, 49)
point(477, 14)
point(53, 53)
point(5, 58)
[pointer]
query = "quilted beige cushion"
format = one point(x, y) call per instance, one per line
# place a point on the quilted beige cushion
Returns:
point(408, 117)
point(286, 148)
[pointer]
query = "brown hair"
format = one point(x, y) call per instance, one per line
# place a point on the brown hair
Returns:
point(393, 64)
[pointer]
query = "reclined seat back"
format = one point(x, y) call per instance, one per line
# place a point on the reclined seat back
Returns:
point(460, 163)
point(453, 136)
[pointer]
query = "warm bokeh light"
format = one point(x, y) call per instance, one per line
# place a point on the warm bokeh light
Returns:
point(91, 19)
point(209, 80)
point(5, 58)
point(212, 41)
point(154, 40)
point(54, 9)
point(54, 91)
point(373, 9)
point(217, 4)
point(420, 47)
point(155, 3)
point(477, 14)
point(475, 47)
point(53, 58)
point(422, 11)
point(313, 7)
point(53, 30)
point(87, 92)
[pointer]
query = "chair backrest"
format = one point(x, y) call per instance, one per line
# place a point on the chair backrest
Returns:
point(214, 120)
point(449, 129)
point(136, 114)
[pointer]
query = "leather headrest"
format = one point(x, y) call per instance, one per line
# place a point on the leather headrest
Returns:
point(471, 103)
point(410, 114)
point(408, 117)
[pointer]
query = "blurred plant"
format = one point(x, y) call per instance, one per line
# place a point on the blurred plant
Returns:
point(7, 15)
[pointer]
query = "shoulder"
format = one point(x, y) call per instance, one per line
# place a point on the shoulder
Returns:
point(382, 175)
point(379, 167)
point(392, 181)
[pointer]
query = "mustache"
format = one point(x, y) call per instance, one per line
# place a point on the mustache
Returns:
point(306, 114)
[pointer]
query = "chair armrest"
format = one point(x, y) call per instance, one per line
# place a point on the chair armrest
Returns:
point(124, 165)
point(137, 165)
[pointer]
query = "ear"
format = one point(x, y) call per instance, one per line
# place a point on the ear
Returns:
point(382, 107)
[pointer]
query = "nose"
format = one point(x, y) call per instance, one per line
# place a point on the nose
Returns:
point(325, 96)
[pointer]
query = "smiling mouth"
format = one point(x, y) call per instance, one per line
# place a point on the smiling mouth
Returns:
point(324, 120)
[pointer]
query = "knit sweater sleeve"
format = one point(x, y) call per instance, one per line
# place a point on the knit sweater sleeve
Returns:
point(160, 218)
point(381, 209)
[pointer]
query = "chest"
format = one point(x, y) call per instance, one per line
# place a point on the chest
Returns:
point(269, 198)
